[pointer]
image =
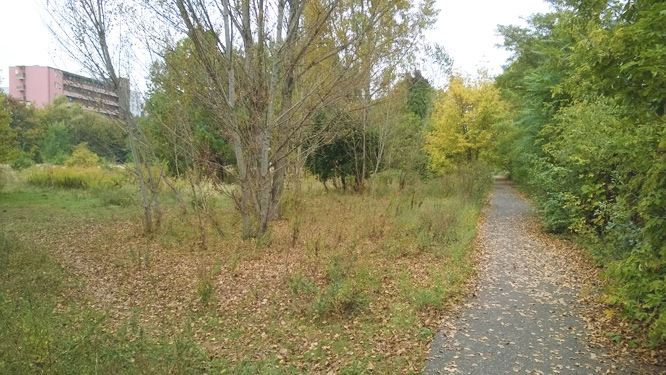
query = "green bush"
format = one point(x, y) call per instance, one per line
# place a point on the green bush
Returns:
point(82, 157)
point(57, 143)
point(22, 163)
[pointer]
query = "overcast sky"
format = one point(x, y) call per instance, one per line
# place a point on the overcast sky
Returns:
point(466, 29)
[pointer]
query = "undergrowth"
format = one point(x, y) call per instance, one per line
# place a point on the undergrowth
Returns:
point(343, 277)
point(75, 178)
point(45, 330)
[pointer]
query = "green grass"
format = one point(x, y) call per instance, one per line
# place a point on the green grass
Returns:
point(37, 207)
point(46, 329)
point(75, 178)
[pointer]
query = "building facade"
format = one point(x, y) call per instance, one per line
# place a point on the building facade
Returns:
point(40, 85)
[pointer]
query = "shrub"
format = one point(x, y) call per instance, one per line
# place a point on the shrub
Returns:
point(348, 289)
point(22, 163)
point(57, 143)
point(82, 157)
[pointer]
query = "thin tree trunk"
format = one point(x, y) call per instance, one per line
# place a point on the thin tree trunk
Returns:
point(148, 221)
point(132, 130)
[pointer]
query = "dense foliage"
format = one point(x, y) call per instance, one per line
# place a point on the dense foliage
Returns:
point(588, 83)
point(392, 138)
point(467, 121)
point(340, 159)
point(50, 135)
point(181, 130)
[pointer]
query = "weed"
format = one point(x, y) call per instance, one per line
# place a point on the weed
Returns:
point(424, 239)
point(205, 289)
point(340, 298)
point(614, 336)
point(236, 259)
point(425, 333)
point(123, 196)
point(347, 291)
point(301, 285)
point(262, 241)
point(140, 258)
point(312, 248)
point(74, 178)
point(428, 297)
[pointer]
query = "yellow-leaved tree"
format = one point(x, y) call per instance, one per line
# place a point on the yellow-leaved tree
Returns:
point(466, 122)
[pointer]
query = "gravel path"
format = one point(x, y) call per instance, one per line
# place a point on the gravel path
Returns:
point(524, 317)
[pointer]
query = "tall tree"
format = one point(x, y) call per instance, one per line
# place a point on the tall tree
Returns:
point(464, 121)
point(270, 66)
point(91, 31)
point(8, 137)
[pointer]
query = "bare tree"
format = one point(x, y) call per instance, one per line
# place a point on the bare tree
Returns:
point(91, 32)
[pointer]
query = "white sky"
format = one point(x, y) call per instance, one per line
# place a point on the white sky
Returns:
point(466, 29)
point(25, 40)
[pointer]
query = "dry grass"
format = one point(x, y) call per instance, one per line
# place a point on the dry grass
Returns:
point(343, 284)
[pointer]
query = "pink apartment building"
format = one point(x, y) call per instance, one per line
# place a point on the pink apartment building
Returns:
point(40, 85)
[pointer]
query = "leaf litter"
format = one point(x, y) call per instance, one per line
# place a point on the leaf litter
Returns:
point(236, 298)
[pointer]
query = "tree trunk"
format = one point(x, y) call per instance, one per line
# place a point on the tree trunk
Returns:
point(244, 186)
point(122, 89)
point(264, 182)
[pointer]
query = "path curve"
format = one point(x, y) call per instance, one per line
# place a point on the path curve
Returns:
point(523, 318)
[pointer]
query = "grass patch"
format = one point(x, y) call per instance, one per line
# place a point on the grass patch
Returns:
point(75, 178)
point(46, 329)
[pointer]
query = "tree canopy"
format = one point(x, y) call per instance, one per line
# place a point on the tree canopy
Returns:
point(465, 121)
